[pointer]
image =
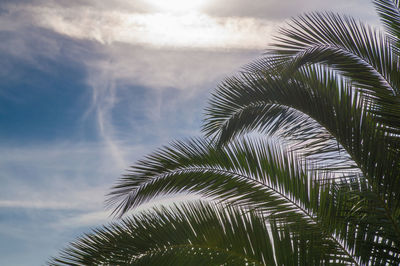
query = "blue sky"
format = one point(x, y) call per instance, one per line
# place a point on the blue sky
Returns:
point(89, 87)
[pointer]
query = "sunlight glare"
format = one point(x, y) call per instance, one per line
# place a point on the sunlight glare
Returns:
point(177, 5)
point(158, 29)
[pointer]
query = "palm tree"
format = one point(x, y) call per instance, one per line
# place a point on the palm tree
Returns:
point(318, 184)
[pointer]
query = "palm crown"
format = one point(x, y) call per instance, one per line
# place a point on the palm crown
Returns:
point(319, 184)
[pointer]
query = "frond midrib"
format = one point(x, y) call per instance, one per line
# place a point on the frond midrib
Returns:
point(239, 110)
point(351, 53)
point(275, 190)
point(375, 191)
point(203, 247)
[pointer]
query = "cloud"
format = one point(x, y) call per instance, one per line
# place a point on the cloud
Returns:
point(277, 10)
point(84, 219)
point(190, 30)
point(100, 217)
point(184, 69)
point(59, 176)
point(123, 50)
point(40, 204)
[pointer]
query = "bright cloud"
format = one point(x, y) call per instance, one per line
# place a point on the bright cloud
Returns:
point(178, 5)
point(190, 30)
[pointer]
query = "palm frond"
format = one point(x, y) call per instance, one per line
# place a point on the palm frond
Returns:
point(338, 124)
point(244, 171)
point(197, 233)
point(358, 51)
point(253, 174)
point(389, 12)
point(303, 109)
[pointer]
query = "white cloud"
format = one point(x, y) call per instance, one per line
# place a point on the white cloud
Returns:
point(193, 30)
point(100, 217)
point(168, 68)
point(69, 178)
point(86, 219)
point(157, 82)
point(60, 176)
point(39, 204)
point(277, 10)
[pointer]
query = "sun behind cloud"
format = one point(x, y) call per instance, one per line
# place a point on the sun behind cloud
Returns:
point(177, 5)
point(189, 30)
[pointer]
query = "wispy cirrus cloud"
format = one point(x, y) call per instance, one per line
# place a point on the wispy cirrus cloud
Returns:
point(56, 176)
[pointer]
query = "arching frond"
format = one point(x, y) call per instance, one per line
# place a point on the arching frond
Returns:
point(254, 174)
point(194, 234)
point(354, 50)
point(359, 52)
point(247, 172)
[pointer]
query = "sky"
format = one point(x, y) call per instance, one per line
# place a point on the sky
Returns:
point(89, 87)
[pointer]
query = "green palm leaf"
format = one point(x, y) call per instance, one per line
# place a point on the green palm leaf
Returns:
point(254, 174)
point(191, 234)
point(339, 124)
point(389, 12)
point(357, 51)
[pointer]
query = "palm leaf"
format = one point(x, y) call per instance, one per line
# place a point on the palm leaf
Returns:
point(192, 234)
point(256, 175)
point(356, 50)
point(389, 12)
